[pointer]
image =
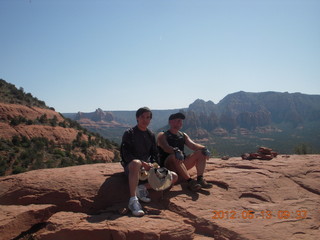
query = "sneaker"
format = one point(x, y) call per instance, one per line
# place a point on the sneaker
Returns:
point(193, 185)
point(142, 193)
point(204, 183)
point(135, 207)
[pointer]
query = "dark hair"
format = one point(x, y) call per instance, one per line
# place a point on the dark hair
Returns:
point(142, 110)
point(178, 115)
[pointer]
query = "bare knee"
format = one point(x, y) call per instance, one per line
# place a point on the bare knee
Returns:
point(170, 161)
point(199, 155)
point(135, 165)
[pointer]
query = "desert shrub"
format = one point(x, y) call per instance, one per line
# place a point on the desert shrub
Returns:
point(66, 162)
point(38, 164)
point(80, 160)
point(18, 169)
point(4, 145)
point(51, 163)
point(59, 153)
point(43, 119)
point(68, 147)
point(25, 142)
point(302, 149)
point(117, 157)
point(40, 143)
point(15, 140)
point(54, 121)
point(17, 120)
point(63, 124)
point(89, 160)
point(3, 165)
point(26, 157)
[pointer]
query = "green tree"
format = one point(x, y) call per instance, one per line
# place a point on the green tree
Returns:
point(302, 149)
point(54, 121)
point(43, 119)
point(15, 140)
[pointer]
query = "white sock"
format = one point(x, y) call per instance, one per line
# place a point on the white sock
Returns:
point(133, 198)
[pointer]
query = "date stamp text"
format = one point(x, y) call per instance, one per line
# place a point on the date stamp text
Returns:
point(265, 214)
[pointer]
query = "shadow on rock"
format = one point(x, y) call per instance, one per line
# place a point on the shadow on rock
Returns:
point(114, 192)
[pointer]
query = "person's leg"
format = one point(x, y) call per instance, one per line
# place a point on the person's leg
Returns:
point(180, 168)
point(134, 169)
point(133, 175)
point(177, 166)
point(199, 160)
point(196, 159)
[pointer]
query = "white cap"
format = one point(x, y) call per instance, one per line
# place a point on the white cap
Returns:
point(160, 178)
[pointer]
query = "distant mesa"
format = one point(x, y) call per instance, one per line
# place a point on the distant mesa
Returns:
point(265, 116)
point(96, 116)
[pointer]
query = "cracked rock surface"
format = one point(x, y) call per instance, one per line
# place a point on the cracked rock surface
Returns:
point(276, 199)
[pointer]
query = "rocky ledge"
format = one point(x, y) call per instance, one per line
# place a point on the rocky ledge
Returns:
point(276, 199)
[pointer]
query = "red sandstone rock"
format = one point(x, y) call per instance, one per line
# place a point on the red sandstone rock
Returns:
point(102, 154)
point(15, 219)
point(263, 153)
point(256, 199)
point(57, 134)
point(107, 226)
point(8, 111)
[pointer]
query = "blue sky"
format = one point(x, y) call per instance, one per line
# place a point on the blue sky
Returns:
point(120, 55)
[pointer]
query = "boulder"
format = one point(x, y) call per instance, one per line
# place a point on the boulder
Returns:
point(263, 153)
point(18, 218)
point(256, 199)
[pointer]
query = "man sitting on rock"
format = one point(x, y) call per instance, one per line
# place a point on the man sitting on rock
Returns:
point(139, 150)
point(171, 149)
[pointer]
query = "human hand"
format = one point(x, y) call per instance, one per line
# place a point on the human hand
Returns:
point(206, 152)
point(143, 174)
point(155, 165)
point(147, 166)
point(178, 154)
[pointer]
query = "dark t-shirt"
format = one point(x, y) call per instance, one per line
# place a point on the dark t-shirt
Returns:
point(174, 140)
point(137, 144)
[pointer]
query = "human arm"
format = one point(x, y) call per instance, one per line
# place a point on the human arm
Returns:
point(191, 144)
point(164, 145)
point(196, 146)
point(127, 147)
point(154, 153)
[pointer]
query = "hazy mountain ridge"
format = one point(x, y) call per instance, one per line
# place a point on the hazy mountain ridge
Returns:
point(282, 106)
point(123, 118)
point(112, 124)
point(286, 122)
point(240, 109)
point(251, 110)
point(238, 123)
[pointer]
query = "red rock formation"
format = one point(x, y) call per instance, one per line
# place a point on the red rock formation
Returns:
point(9, 111)
point(256, 199)
point(263, 153)
point(20, 217)
point(56, 134)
